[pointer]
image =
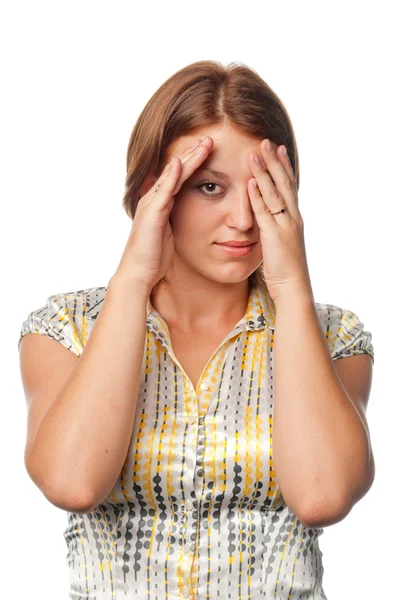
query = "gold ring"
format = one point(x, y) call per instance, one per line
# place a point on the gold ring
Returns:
point(279, 210)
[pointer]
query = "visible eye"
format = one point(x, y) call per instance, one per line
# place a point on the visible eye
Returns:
point(207, 183)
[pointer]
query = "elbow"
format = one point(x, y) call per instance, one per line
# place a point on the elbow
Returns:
point(319, 514)
point(78, 502)
point(329, 511)
point(317, 518)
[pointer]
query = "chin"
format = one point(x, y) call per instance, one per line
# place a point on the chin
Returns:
point(231, 278)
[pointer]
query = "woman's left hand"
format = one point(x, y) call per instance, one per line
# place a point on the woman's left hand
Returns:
point(281, 235)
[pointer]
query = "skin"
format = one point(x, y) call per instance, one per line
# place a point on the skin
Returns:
point(205, 286)
point(320, 432)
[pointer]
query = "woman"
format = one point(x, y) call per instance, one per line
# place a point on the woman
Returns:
point(208, 432)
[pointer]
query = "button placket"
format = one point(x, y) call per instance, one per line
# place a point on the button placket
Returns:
point(188, 548)
point(190, 512)
point(193, 419)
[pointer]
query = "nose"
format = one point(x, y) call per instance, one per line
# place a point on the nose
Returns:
point(241, 212)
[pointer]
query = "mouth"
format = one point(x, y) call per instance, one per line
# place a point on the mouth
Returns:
point(234, 244)
point(236, 250)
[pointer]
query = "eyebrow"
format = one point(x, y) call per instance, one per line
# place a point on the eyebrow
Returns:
point(214, 173)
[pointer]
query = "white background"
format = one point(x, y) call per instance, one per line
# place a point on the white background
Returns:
point(75, 77)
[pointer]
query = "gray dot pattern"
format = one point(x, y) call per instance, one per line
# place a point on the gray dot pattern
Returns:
point(197, 511)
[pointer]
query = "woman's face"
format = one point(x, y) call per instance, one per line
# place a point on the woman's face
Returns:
point(210, 208)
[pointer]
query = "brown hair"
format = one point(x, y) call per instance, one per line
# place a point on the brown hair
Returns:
point(201, 94)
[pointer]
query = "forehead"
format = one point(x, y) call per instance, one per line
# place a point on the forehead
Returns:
point(222, 134)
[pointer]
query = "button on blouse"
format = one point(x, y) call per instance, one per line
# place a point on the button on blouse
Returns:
point(197, 512)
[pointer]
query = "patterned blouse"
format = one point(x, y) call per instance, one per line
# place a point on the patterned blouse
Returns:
point(196, 511)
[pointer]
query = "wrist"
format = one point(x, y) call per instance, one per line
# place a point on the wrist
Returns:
point(131, 282)
point(295, 294)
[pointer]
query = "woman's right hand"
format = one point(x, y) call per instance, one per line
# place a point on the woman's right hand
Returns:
point(149, 251)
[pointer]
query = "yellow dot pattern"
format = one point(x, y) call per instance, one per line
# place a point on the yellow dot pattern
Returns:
point(197, 511)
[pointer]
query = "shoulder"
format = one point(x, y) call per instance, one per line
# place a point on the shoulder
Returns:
point(344, 331)
point(336, 317)
point(86, 303)
point(66, 317)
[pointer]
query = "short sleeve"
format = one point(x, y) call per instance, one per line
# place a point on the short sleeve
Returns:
point(345, 332)
point(54, 320)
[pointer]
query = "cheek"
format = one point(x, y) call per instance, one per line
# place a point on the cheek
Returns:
point(185, 221)
point(187, 216)
point(176, 213)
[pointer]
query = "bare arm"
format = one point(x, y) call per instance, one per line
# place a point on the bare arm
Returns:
point(321, 444)
point(80, 445)
point(82, 441)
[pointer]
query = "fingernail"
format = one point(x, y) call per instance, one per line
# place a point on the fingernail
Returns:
point(285, 151)
point(194, 144)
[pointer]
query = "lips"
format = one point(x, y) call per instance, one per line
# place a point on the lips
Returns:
point(236, 250)
point(235, 244)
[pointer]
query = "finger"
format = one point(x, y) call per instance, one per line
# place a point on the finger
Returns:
point(194, 161)
point(168, 186)
point(263, 217)
point(169, 181)
point(159, 184)
point(190, 150)
point(279, 186)
point(184, 156)
point(207, 142)
point(285, 159)
point(266, 187)
point(265, 183)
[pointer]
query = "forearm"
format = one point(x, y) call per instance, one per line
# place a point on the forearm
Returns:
point(320, 444)
point(82, 441)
